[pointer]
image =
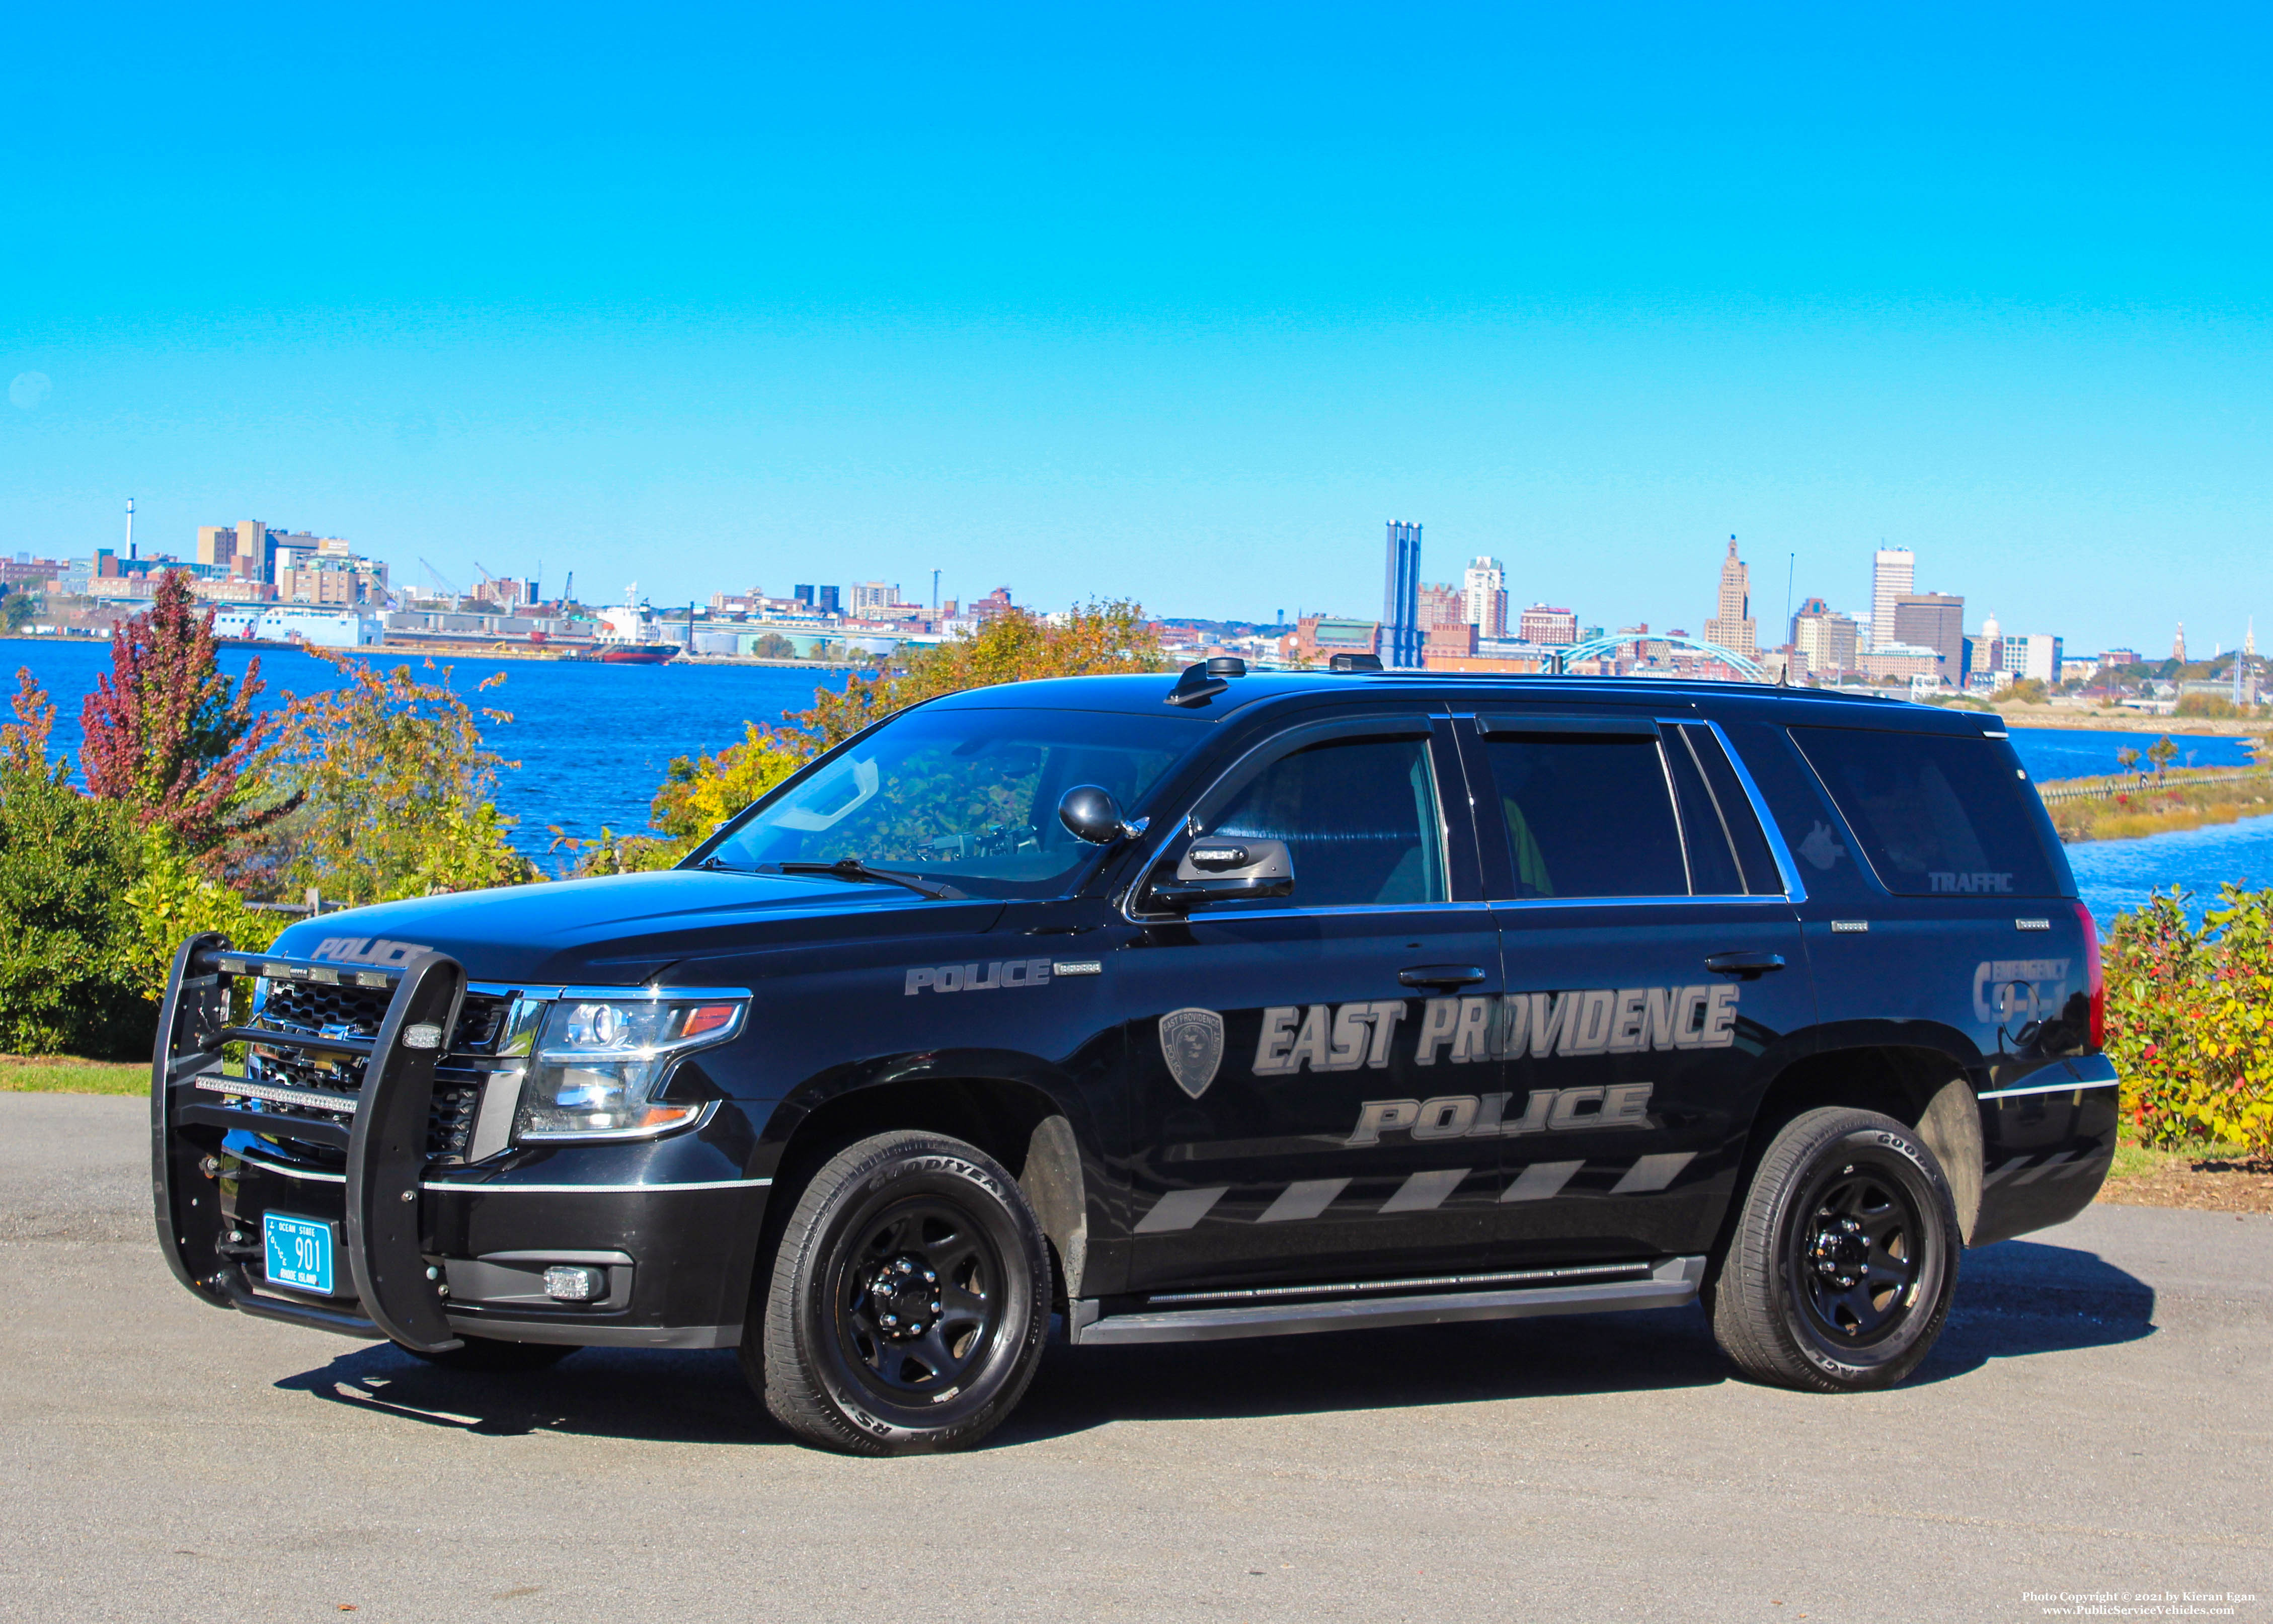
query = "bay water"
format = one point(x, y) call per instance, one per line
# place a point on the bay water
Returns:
point(593, 741)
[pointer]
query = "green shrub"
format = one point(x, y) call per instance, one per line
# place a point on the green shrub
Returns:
point(2190, 1019)
point(69, 945)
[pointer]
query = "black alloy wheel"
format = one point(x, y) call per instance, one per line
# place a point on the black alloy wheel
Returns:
point(1853, 1254)
point(920, 1300)
point(908, 1302)
point(1843, 1262)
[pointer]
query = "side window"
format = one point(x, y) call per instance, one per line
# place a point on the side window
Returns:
point(1586, 814)
point(1712, 870)
point(1359, 818)
point(1936, 815)
point(1734, 813)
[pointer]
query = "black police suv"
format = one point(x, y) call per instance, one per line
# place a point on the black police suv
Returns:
point(1233, 1005)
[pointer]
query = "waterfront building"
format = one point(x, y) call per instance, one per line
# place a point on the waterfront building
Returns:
point(1732, 625)
point(1893, 575)
point(1441, 604)
point(1907, 661)
point(1319, 637)
point(1544, 626)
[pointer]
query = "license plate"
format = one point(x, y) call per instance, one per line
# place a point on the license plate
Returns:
point(299, 1251)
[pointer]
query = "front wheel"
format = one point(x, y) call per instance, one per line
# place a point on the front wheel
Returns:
point(909, 1300)
point(1840, 1272)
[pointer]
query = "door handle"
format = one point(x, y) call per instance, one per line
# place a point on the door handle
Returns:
point(1441, 975)
point(1746, 964)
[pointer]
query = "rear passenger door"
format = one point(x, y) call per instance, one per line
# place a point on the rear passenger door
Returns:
point(1278, 1055)
point(1654, 969)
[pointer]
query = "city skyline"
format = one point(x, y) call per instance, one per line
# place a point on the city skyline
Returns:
point(1166, 310)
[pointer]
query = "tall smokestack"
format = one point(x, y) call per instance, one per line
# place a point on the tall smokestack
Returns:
point(130, 527)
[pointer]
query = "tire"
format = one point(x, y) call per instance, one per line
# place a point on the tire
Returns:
point(850, 1353)
point(1840, 1272)
point(489, 1354)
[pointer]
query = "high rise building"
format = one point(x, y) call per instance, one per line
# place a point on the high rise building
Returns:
point(1894, 574)
point(1401, 599)
point(1934, 621)
point(871, 598)
point(1483, 593)
point(1732, 627)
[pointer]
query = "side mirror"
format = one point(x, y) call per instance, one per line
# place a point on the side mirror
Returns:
point(1091, 814)
point(1219, 868)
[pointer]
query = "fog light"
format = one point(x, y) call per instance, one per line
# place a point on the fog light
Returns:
point(573, 1282)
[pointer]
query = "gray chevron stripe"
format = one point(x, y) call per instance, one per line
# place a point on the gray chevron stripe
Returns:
point(1542, 1181)
point(1425, 1191)
point(1305, 1198)
point(1180, 1209)
point(1653, 1173)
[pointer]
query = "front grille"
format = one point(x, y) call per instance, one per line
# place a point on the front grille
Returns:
point(315, 1009)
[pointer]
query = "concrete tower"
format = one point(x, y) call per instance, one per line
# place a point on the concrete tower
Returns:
point(1400, 607)
point(130, 527)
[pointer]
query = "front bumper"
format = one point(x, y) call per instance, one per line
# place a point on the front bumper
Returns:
point(430, 1255)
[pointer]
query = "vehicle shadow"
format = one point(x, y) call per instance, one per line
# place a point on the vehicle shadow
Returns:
point(2019, 1297)
point(2015, 1298)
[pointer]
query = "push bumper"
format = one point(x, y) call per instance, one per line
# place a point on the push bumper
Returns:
point(432, 1255)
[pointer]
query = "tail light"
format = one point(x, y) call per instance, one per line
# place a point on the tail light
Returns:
point(2097, 975)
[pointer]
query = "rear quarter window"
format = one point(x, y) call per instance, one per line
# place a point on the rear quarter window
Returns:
point(1936, 815)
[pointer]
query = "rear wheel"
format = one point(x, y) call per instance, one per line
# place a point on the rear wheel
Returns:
point(487, 1353)
point(1840, 1274)
point(909, 1300)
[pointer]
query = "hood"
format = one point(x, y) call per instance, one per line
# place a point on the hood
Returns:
point(625, 929)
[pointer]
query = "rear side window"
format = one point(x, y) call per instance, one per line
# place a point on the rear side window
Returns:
point(1586, 814)
point(1936, 815)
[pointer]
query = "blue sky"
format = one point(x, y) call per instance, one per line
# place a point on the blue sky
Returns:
point(1178, 303)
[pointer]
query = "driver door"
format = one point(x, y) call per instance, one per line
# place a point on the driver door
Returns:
point(1307, 1072)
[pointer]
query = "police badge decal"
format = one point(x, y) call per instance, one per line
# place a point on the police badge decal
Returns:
point(1191, 1041)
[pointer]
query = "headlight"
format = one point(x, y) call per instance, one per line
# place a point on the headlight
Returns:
point(600, 1061)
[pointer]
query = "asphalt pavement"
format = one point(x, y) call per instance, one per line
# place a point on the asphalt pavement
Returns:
point(2097, 1420)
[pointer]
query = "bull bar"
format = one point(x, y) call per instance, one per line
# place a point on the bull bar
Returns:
point(384, 1137)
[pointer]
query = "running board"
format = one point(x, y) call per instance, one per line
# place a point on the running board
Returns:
point(1669, 1283)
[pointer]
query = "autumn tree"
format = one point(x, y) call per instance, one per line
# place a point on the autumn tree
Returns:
point(1096, 640)
point(395, 786)
point(171, 737)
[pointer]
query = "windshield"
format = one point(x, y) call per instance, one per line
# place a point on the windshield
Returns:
point(965, 797)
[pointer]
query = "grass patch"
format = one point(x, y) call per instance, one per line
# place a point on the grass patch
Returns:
point(65, 1074)
point(2160, 808)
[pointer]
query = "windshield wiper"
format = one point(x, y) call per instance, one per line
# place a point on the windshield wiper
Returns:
point(854, 868)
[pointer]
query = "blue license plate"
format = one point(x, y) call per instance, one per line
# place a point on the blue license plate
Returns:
point(299, 1251)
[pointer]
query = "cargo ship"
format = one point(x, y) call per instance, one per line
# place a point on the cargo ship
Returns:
point(627, 654)
point(620, 641)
